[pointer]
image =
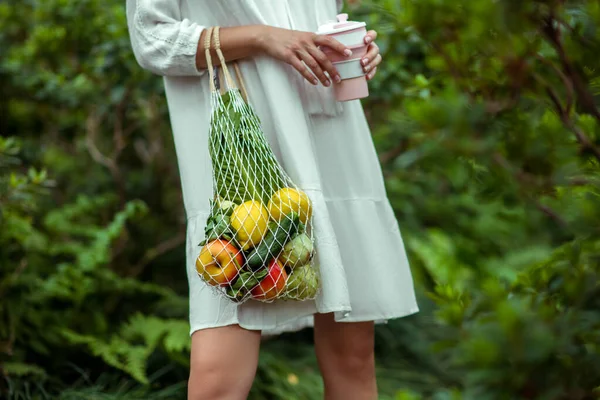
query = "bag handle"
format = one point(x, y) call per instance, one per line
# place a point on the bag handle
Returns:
point(209, 65)
point(238, 74)
point(214, 33)
point(236, 67)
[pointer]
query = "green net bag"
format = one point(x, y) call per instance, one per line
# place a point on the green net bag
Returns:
point(258, 237)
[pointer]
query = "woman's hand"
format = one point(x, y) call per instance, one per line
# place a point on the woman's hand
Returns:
point(294, 47)
point(372, 59)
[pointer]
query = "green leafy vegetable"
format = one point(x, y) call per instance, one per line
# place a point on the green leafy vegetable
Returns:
point(244, 166)
point(245, 282)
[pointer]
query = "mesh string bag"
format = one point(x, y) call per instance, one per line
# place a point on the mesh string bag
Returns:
point(258, 238)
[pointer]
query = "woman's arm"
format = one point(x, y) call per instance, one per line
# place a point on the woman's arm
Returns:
point(236, 42)
point(162, 41)
point(167, 44)
point(297, 48)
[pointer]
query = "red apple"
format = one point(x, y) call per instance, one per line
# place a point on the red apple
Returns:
point(219, 262)
point(273, 284)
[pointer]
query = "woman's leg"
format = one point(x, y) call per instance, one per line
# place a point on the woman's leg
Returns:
point(223, 363)
point(345, 352)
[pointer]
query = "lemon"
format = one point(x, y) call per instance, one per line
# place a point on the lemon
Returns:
point(288, 200)
point(249, 221)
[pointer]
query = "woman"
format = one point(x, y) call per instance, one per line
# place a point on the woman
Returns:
point(327, 150)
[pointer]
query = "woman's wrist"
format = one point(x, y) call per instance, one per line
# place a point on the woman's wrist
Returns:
point(236, 42)
point(260, 38)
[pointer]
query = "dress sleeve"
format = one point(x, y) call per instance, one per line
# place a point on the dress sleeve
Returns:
point(162, 41)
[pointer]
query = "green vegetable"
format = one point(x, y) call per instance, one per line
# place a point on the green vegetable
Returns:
point(302, 283)
point(245, 282)
point(223, 206)
point(297, 251)
point(273, 242)
point(217, 225)
point(244, 166)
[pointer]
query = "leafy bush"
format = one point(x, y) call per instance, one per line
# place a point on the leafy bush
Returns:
point(87, 283)
point(486, 118)
point(490, 137)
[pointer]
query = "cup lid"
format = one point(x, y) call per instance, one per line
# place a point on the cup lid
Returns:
point(341, 25)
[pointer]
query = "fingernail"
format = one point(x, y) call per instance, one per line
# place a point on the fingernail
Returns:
point(338, 79)
point(315, 82)
point(327, 83)
point(368, 39)
point(347, 52)
point(365, 61)
point(371, 75)
point(367, 68)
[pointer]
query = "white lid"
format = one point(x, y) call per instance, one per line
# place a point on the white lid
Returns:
point(341, 25)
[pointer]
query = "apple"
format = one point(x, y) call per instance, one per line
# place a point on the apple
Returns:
point(219, 262)
point(271, 285)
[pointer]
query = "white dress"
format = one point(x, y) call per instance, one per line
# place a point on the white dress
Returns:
point(324, 146)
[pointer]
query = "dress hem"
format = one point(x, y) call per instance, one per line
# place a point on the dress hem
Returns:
point(273, 331)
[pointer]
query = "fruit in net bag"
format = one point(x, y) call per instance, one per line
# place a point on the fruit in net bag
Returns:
point(249, 221)
point(273, 284)
point(302, 283)
point(297, 251)
point(288, 200)
point(256, 208)
point(219, 262)
point(274, 240)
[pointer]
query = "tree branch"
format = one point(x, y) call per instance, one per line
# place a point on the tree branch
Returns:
point(92, 128)
point(527, 179)
point(582, 138)
point(92, 125)
point(157, 251)
point(391, 154)
point(584, 97)
point(567, 82)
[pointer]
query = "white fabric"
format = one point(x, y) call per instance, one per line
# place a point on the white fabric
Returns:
point(324, 146)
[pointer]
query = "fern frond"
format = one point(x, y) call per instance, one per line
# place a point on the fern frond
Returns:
point(173, 334)
point(137, 340)
point(117, 353)
point(22, 369)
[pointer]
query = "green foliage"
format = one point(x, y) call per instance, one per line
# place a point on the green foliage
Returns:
point(485, 115)
point(85, 276)
point(61, 261)
point(490, 143)
point(150, 332)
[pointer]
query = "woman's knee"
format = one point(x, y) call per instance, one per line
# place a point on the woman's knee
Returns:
point(355, 360)
point(210, 382)
point(348, 348)
point(223, 363)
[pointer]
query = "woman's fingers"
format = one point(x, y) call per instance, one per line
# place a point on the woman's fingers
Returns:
point(311, 63)
point(372, 59)
point(373, 63)
point(372, 53)
point(370, 37)
point(325, 64)
point(371, 74)
point(305, 72)
point(333, 44)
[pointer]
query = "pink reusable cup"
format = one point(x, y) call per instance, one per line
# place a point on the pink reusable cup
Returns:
point(351, 34)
